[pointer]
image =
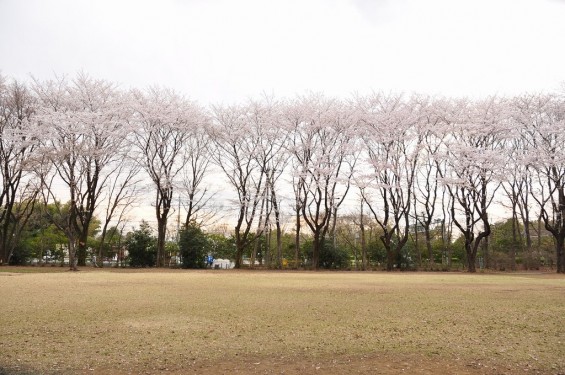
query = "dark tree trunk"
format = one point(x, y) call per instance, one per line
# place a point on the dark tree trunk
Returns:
point(276, 211)
point(560, 252)
point(316, 248)
point(297, 240)
point(390, 259)
point(514, 243)
point(239, 249)
point(81, 249)
point(239, 240)
point(471, 257)
point(429, 244)
point(72, 255)
point(390, 255)
point(365, 260)
point(161, 239)
point(279, 238)
point(417, 240)
point(81, 255)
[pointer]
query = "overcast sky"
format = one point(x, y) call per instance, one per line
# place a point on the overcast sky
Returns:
point(225, 51)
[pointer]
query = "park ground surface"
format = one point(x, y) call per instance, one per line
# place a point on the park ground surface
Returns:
point(114, 321)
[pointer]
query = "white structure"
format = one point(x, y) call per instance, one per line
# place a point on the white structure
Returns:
point(223, 264)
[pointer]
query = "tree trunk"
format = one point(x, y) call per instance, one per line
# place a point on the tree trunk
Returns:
point(276, 210)
point(447, 241)
point(297, 239)
point(560, 252)
point(81, 250)
point(390, 258)
point(539, 233)
point(417, 243)
point(101, 246)
point(471, 257)
point(486, 255)
point(316, 248)
point(268, 255)
point(485, 240)
point(161, 239)
point(256, 248)
point(514, 240)
point(279, 240)
point(334, 224)
point(365, 260)
point(239, 248)
point(72, 255)
point(4, 237)
point(428, 235)
point(6, 253)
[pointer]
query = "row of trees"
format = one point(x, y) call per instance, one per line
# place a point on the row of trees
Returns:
point(410, 161)
point(44, 244)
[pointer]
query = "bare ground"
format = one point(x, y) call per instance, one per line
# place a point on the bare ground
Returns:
point(224, 322)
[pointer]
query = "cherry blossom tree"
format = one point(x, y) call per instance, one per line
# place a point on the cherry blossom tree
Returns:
point(162, 121)
point(82, 144)
point(19, 136)
point(85, 119)
point(237, 152)
point(292, 120)
point(265, 120)
point(392, 145)
point(59, 150)
point(196, 194)
point(320, 144)
point(426, 186)
point(516, 187)
point(474, 158)
point(120, 195)
point(543, 117)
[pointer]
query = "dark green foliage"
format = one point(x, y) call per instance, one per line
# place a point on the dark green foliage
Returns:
point(193, 245)
point(142, 247)
point(40, 238)
point(330, 257)
point(376, 251)
point(458, 247)
point(19, 257)
point(406, 258)
point(44, 243)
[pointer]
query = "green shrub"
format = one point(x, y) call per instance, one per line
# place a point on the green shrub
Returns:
point(142, 247)
point(330, 257)
point(193, 244)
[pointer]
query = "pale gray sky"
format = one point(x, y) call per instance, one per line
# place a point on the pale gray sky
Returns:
point(225, 51)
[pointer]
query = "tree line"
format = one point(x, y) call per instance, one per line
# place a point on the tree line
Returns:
point(81, 150)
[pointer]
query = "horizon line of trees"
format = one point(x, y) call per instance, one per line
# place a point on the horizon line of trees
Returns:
point(44, 245)
point(88, 150)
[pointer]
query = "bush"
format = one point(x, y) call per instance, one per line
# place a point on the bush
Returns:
point(142, 247)
point(193, 243)
point(376, 252)
point(330, 257)
point(20, 256)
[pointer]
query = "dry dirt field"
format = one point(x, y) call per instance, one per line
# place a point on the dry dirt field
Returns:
point(255, 322)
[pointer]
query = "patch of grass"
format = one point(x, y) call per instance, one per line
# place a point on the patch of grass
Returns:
point(46, 268)
point(148, 321)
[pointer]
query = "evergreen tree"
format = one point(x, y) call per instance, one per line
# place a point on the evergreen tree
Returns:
point(193, 244)
point(141, 246)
